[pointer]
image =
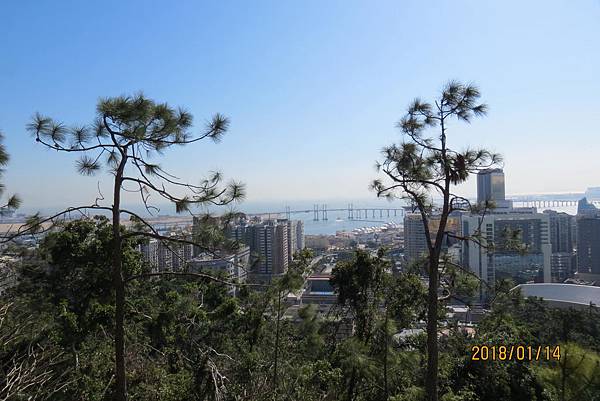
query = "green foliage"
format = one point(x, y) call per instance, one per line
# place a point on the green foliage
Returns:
point(360, 285)
point(127, 132)
point(311, 341)
point(33, 364)
point(373, 363)
point(73, 276)
point(515, 320)
point(191, 340)
point(13, 202)
point(575, 377)
point(421, 164)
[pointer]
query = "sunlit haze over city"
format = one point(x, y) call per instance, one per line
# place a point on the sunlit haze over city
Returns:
point(313, 89)
point(317, 200)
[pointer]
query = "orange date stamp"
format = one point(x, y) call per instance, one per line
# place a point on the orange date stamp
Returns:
point(515, 353)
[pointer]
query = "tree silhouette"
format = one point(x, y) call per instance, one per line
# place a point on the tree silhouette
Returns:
point(422, 167)
point(13, 201)
point(127, 133)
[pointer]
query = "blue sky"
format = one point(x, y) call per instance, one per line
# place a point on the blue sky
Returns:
point(313, 88)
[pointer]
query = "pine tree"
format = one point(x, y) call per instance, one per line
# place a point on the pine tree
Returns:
point(422, 167)
point(126, 133)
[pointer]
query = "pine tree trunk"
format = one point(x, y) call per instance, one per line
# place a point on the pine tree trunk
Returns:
point(275, 367)
point(120, 393)
point(385, 358)
point(351, 385)
point(431, 381)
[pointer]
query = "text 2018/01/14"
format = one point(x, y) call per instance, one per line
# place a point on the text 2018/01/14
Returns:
point(515, 353)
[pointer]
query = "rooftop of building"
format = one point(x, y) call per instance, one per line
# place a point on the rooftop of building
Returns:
point(586, 209)
point(323, 277)
point(562, 294)
point(490, 170)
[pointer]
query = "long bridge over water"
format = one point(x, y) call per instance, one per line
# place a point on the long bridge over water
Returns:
point(363, 213)
point(541, 203)
point(320, 212)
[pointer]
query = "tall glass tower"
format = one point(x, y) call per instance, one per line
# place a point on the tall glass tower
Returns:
point(490, 186)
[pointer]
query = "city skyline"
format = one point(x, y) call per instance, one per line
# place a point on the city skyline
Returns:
point(307, 122)
point(315, 200)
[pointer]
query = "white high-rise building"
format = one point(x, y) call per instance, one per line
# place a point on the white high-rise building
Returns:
point(180, 255)
point(300, 244)
point(295, 237)
point(272, 243)
point(234, 265)
point(415, 243)
point(149, 252)
point(165, 257)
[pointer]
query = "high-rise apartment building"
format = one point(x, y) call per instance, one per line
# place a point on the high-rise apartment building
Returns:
point(181, 254)
point(504, 260)
point(586, 209)
point(165, 257)
point(415, 242)
point(271, 240)
point(588, 244)
point(300, 244)
point(149, 251)
point(272, 243)
point(561, 231)
point(588, 238)
point(562, 241)
point(295, 230)
point(562, 265)
point(234, 265)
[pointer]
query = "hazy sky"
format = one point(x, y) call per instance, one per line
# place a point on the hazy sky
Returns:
point(313, 88)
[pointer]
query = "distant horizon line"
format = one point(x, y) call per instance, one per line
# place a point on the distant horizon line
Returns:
point(330, 202)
